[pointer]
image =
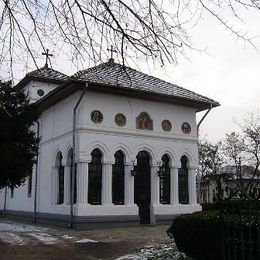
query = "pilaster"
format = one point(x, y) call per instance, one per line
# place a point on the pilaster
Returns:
point(192, 186)
point(82, 183)
point(107, 184)
point(174, 198)
point(154, 185)
point(129, 186)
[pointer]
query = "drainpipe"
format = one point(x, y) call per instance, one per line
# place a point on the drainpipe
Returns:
point(202, 119)
point(73, 172)
point(36, 177)
point(198, 126)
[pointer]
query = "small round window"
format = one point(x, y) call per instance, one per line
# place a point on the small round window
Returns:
point(40, 92)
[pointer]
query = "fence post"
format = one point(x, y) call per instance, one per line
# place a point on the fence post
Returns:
point(250, 244)
point(242, 241)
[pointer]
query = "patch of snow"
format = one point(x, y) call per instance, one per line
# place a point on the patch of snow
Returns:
point(86, 240)
point(45, 238)
point(17, 227)
point(167, 251)
point(67, 237)
point(11, 238)
point(128, 257)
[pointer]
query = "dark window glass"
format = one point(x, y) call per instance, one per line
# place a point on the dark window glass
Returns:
point(30, 185)
point(95, 178)
point(118, 176)
point(183, 182)
point(75, 186)
point(40, 92)
point(165, 180)
point(60, 181)
point(12, 192)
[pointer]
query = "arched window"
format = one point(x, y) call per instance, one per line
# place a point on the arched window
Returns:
point(118, 176)
point(165, 180)
point(29, 186)
point(70, 161)
point(60, 179)
point(95, 178)
point(183, 181)
point(144, 121)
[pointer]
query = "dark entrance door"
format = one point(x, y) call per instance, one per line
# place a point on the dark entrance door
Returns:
point(143, 186)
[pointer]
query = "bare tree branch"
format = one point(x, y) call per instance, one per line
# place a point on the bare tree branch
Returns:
point(153, 29)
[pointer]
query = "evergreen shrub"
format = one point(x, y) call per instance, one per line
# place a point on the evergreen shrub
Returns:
point(206, 234)
point(197, 234)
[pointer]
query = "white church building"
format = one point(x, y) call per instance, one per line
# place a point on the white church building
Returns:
point(118, 147)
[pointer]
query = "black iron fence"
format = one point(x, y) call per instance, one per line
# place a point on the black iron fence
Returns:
point(240, 233)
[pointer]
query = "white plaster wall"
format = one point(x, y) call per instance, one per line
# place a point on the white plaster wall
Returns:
point(20, 200)
point(33, 86)
point(56, 128)
point(2, 194)
point(111, 135)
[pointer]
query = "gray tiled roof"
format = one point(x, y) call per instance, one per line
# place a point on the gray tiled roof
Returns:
point(115, 74)
point(48, 74)
point(44, 74)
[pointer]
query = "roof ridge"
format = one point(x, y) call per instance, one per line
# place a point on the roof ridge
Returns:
point(84, 71)
point(45, 68)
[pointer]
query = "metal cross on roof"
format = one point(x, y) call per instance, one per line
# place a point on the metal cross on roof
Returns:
point(111, 51)
point(47, 54)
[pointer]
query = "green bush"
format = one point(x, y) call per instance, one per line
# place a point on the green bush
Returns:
point(208, 235)
point(197, 235)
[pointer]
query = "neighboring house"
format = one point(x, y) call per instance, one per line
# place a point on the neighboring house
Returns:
point(136, 152)
point(231, 182)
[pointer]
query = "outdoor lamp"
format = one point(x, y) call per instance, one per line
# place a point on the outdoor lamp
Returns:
point(132, 169)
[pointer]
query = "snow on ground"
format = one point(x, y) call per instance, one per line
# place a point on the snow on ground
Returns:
point(16, 233)
point(19, 227)
point(44, 238)
point(86, 240)
point(11, 238)
point(21, 234)
point(67, 237)
point(157, 252)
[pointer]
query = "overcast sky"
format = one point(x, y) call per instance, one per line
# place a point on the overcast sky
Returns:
point(229, 73)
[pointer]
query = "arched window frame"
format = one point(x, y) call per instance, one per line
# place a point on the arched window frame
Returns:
point(165, 181)
point(183, 179)
point(95, 178)
point(118, 179)
point(144, 121)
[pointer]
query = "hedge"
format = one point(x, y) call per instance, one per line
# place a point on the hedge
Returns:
point(197, 235)
point(210, 234)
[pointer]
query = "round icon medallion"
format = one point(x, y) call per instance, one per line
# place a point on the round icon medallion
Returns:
point(186, 128)
point(166, 125)
point(96, 117)
point(120, 119)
